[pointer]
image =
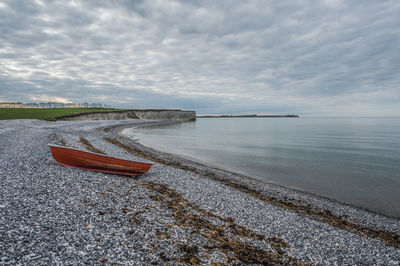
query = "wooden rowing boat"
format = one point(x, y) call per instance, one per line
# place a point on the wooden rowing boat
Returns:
point(96, 162)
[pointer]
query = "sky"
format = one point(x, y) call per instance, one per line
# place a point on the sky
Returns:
point(327, 57)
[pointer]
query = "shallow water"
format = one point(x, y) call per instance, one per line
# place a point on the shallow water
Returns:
point(354, 160)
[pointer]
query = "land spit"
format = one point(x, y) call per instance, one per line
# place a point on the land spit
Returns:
point(179, 212)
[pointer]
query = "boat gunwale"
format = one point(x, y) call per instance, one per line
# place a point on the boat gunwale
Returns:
point(105, 156)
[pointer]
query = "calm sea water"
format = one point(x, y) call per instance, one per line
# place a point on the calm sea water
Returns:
point(354, 160)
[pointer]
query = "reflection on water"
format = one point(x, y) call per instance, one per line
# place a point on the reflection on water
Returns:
point(354, 160)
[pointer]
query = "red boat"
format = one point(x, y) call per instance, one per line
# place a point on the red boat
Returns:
point(97, 162)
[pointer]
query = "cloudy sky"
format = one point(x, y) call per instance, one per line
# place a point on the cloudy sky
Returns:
point(306, 57)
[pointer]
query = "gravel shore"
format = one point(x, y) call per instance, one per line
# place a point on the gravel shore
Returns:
point(179, 212)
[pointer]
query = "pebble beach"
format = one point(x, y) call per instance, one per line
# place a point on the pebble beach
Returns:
point(180, 212)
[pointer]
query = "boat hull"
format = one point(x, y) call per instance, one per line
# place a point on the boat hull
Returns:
point(96, 162)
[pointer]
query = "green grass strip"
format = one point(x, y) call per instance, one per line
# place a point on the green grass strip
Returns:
point(44, 113)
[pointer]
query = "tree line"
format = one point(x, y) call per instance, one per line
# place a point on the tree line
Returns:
point(52, 105)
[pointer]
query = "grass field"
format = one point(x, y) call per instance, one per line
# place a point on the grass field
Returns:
point(43, 113)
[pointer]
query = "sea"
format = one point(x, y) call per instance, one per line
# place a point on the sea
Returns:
point(353, 160)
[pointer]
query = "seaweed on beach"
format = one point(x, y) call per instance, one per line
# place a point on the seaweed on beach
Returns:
point(391, 239)
point(223, 234)
point(53, 137)
point(89, 146)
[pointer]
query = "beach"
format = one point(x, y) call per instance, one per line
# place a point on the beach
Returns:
point(179, 212)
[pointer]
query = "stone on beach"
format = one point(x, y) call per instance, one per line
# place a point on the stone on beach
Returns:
point(179, 211)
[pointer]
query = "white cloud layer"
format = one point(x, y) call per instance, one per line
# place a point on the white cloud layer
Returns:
point(307, 57)
point(46, 98)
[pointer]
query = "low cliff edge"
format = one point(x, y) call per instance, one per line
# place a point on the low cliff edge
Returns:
point(150, 114)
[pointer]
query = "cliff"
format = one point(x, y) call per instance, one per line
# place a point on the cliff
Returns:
point(150, 114)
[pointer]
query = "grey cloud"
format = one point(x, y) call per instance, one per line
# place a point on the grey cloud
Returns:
point(212, 56)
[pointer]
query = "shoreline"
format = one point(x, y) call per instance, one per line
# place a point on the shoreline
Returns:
point(190, 160)
point(181, 211)
point(183, 162)
point(302, 198)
